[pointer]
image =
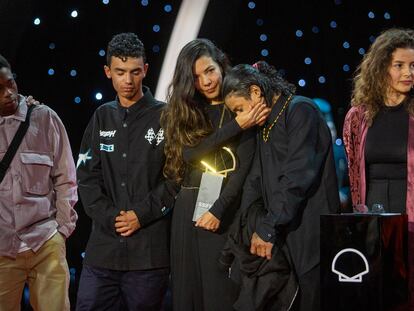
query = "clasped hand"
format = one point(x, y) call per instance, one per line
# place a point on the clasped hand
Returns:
point(127, 223)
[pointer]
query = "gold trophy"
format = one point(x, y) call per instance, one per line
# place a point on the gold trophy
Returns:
point(210, 186)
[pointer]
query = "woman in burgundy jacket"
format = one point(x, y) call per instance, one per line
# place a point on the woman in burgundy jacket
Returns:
point(379, 129)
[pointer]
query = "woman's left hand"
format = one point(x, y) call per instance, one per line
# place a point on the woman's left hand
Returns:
point(208, 221)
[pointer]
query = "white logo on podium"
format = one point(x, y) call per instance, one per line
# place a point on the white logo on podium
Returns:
point(342, 277)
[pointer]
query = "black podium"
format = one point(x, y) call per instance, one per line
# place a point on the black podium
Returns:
point(364, 262)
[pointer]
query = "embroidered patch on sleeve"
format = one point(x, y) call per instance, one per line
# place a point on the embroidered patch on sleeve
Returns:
point(83, 157)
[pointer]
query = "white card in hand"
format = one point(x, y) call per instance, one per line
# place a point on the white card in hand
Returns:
point(210, 188)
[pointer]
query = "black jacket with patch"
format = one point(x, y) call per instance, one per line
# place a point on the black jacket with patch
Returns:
point(120, 168)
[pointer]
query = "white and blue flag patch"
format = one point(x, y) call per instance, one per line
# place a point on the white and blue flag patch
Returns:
point(107, 148)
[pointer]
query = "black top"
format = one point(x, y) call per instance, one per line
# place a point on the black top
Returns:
point(210, 150)
point(120, 168)
point(386, 159)
point(386, 143)
point(293, 174)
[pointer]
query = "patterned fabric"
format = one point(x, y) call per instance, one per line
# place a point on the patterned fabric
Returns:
point(354, 136)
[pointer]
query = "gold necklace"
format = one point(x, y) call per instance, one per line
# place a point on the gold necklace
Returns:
point(222, 116)
point(219, 126)
point(266, 132)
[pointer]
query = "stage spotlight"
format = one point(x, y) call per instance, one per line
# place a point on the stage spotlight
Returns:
point(168, 8)
point(98, 96)
point(299, 33)
point(77, 100)
point(333, 24)
point(259, 22)
point(144, 2)
point(371, 15)
point(52, 46)
point(251, 5)
point(338, 142)
point(302, 82)
point(361, 51)
point(36, 21)
point(346, 45)
point(263, 37)
point(51, 72)
point(387, 15)
point(264, 52)
point(322, 79)
point(74, 13)
point(156, 28)
point(73, 73)
point(105, 1)
point(156, 48)
point(102, 53)
point(345, 68)
point(186, 27)
point(308, 61)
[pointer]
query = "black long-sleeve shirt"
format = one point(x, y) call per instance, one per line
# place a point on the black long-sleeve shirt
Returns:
point(294, 175)
point(120, 168)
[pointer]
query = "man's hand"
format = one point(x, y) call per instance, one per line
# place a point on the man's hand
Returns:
point(127, 223)
point(257, 115)
point(208, 221)
point(31, 101)
point(260, 248)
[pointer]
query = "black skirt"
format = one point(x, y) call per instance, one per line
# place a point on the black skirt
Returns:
point(198, 281)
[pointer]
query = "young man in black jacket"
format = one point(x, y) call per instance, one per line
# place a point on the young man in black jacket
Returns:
point(122, 190)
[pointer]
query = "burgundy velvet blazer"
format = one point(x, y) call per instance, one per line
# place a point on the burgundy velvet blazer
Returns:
point(354, 136)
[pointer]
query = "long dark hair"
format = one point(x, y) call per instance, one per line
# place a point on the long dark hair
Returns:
point(241, 77)
point(183, 119)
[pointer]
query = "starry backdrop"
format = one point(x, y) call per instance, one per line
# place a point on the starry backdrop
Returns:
point(57, 51)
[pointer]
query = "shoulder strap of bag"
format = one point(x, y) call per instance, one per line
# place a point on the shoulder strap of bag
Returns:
point(17, 139)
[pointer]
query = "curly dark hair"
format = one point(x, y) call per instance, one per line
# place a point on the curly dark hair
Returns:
point(4, 62)
point(124, 45)
point(371, 80)
point(239, 79)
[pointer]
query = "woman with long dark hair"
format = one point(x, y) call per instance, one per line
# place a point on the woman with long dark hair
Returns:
point(197, 126)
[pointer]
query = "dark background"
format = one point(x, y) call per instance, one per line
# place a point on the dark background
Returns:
point(335, 35)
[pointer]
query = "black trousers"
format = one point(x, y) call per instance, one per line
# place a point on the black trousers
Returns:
point(105, 289)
